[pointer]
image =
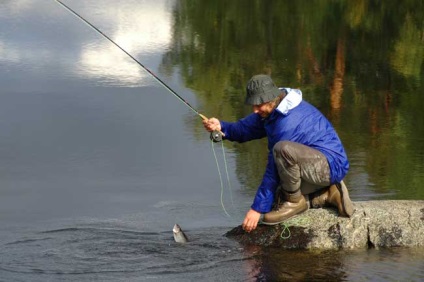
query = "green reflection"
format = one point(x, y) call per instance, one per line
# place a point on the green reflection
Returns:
point(360, 62)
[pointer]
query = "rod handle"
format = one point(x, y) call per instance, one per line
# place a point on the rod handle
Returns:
point(205, 118)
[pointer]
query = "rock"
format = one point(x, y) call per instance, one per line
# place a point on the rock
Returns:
point(374, 224)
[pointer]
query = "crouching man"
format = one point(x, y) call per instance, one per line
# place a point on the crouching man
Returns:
point(306, 159)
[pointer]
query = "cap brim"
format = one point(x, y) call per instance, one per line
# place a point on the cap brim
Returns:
point(268, 96)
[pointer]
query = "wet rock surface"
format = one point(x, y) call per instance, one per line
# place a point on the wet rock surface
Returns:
point(374, 224)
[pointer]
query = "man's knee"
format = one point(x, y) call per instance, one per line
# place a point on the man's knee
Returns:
point(282, 146)
point(285, 150)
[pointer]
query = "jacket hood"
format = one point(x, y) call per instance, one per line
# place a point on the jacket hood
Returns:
point(291, 101)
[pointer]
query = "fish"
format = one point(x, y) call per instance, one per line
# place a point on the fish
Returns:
point(179, 235)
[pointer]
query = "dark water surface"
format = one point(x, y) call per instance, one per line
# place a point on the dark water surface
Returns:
point(98, 161)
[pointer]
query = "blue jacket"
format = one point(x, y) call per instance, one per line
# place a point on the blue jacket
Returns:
point(293, 120)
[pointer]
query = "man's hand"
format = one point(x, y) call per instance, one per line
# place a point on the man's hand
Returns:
point(251, 220)
point(212, 124)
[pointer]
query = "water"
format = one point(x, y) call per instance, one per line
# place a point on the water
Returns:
point(103, 252)
point(99, 161)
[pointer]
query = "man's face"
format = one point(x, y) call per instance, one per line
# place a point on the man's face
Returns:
point(264, 110)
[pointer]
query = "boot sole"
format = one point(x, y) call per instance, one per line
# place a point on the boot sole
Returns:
point(346, 202)
point(271, 223)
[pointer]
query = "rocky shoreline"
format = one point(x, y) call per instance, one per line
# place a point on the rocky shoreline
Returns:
point(374, 224)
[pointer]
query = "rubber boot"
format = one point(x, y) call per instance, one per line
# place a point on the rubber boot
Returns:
point(336, 196)
point(295, 204)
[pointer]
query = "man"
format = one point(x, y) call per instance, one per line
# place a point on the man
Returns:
point(306, 159)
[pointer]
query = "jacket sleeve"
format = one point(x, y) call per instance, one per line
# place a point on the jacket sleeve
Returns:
point(265, 194)
point(249, 128)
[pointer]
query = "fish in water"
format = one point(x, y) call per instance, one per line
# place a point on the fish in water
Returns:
point(179, 235)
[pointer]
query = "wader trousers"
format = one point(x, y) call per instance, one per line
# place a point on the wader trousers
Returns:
point(301, 167)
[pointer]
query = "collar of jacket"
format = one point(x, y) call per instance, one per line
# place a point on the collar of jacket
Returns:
point(292, 99)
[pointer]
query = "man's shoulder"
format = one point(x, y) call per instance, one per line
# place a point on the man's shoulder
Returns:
point(306, 106)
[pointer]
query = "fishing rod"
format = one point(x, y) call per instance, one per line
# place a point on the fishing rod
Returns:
point(216, 136)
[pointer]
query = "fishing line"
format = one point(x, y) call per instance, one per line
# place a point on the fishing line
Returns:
point(295, 221)
point(220, 179)
point(228, 175)
point(285, 229)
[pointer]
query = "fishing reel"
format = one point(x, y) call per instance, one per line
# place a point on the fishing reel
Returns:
point(216, 136)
